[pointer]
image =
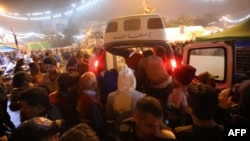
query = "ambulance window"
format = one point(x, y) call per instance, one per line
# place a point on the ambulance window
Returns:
point(209, 59)
point(155, 23)
point(132, 24)
point(112, 27)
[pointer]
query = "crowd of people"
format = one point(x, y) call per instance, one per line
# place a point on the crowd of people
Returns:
point(60, 98)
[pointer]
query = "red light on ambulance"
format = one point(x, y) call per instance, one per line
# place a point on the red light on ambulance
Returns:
point(173, 64)
point(96, 63)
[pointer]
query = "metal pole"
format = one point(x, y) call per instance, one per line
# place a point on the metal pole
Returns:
point(143, 6)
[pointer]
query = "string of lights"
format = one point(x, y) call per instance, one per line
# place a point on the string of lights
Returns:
point(22, 35)
point(235, 21)
point(30, 34)
point(46, 15)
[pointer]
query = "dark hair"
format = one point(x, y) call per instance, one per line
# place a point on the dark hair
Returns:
point(50, 60)
point(244, 98)
point(19, 62)
point(148, 53)
point(203, 99)
point(35, 58)
point(36, 96)
point(20, 78)
point(34, 67)
point(184, 74)
point(36, 129)
point(67, 79)
point(79, 55)
point(80, 132)
point(150, 105)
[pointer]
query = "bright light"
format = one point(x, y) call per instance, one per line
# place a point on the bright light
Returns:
point(96, 64)
point(45, 15)
point(173, 64)
point(1, 10)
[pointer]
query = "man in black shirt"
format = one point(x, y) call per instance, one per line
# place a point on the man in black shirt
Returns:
point(146, 123)
point(202, 105)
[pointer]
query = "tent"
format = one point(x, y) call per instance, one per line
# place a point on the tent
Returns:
point(38, 45)
point(240, 31)
point(7, 48)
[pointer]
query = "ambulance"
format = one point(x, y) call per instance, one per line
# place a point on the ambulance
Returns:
point(225, 55)
point(138, 32)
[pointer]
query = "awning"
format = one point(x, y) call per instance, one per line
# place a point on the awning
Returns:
point(238, 32)
point(7, 48)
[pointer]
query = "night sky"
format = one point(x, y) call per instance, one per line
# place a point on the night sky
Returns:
point(106, 9)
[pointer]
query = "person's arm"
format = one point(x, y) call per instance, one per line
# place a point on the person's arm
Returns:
point(109, 110)
point(165, 135)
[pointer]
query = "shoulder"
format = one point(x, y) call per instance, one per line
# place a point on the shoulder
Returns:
point(127, 125)
point(53, 97)
point(138, 94)
point(166, 134)
point(182, 129)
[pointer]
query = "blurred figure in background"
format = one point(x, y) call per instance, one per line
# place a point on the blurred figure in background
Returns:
point(38, 61)
point(65, 98)
point(21, 81)
point(37, 76)
point(82, 64)
point(49, 79)
point(19, 66)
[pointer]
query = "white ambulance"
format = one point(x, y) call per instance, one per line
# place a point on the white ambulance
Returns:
point(137, 32)
point(225, 54)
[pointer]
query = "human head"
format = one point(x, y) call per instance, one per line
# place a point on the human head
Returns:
point(37, 129)
point(22, 79)
point(88, 81)
point(79, 57)
point(148, 117)
point(207, 78)
point(33, 101)
point(67, 79)
point(126, 79)
point(50, 64)
point(20, 62)
point(80, 132)
point(148, 53)
point(34, 68)
point(202, 101)
point(35, 58)
point(244, 98)
point(184, 74)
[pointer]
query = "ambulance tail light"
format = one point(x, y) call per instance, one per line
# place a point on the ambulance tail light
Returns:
point(96, 64)
point(173, 64)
